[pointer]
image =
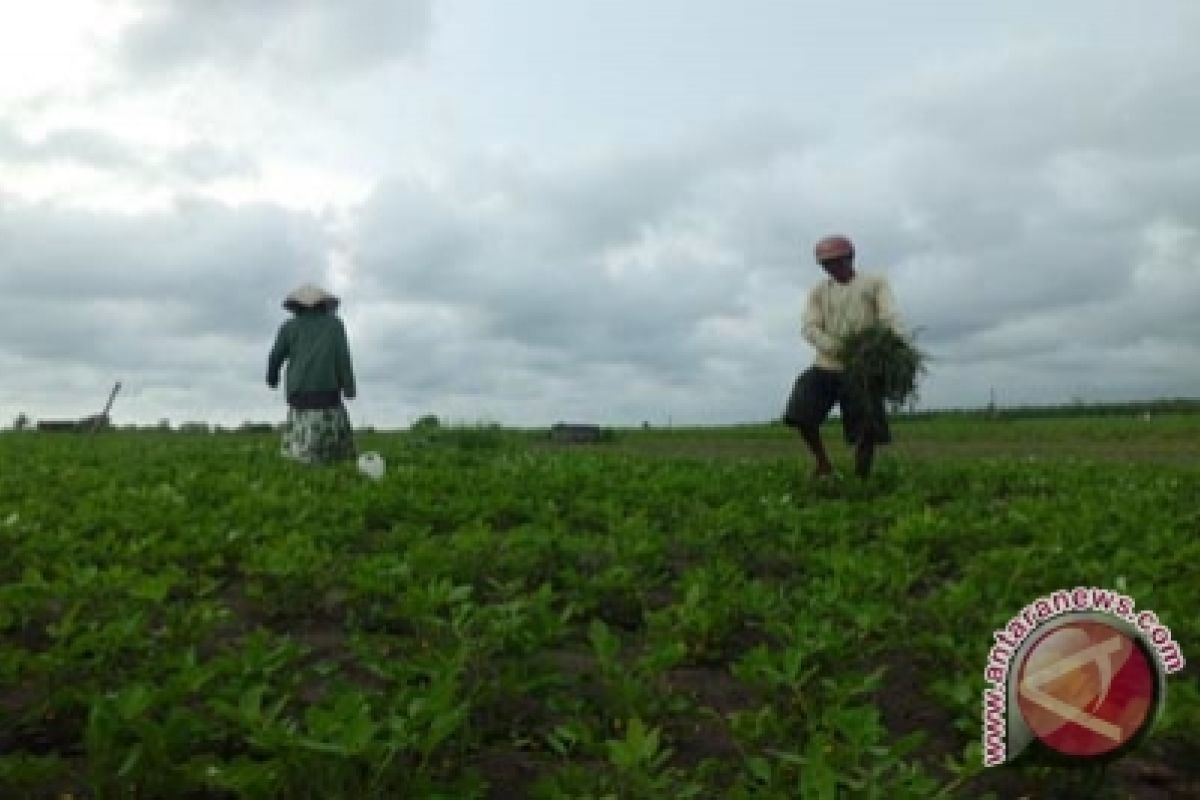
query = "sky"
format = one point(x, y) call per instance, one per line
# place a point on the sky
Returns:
point(591, 210)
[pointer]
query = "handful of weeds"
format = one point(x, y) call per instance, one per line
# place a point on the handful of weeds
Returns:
point(880, 363)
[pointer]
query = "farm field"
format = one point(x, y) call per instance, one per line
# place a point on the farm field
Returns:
point(1164, 439)
point(679, 613)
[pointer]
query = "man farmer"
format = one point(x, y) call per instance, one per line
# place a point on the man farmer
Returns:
point(843, 304)
point(319, 372)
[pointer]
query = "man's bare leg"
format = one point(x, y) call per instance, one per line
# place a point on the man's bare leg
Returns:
point(812, 437)
point(864, 455)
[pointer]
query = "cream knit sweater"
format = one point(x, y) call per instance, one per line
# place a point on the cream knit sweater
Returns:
point(835, 310)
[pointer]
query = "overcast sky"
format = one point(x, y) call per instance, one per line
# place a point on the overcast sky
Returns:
point(591, 210)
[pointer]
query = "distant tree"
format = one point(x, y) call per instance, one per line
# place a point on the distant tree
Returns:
point(427, 423)
point(22, 422)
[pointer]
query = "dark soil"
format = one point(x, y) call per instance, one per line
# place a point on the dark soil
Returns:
point(1158, 772)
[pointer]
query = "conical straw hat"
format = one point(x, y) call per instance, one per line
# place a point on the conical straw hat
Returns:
point(310, 296)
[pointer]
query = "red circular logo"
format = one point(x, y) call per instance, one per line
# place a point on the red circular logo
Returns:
point(1086, 688)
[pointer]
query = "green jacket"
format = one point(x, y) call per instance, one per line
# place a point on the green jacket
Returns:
point(318, 355)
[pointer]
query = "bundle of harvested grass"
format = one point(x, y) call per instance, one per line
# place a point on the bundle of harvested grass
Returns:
point(880, 363)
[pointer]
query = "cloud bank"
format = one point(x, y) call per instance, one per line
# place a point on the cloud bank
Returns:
point(1033, 202)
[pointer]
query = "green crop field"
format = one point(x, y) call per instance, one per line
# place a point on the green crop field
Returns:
point(674, 614)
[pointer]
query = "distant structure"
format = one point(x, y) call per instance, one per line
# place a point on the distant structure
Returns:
point(101, 420)
point(89, 424)
point(564, 433)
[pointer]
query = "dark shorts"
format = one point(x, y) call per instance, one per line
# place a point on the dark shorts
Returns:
point(815, 394)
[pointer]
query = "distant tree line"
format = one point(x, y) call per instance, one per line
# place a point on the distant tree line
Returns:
point(429, 426)
point(1174, 405)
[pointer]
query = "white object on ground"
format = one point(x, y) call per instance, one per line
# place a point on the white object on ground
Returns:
point(371, 465)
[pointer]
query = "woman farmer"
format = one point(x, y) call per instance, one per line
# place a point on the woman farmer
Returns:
point(842, 304)
point(319, 373)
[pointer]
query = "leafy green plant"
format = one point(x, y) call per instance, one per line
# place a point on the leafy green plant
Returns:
point(188, 616)
point(881, 364)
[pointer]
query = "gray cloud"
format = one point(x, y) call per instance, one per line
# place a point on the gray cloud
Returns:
point(75, 145)
point(301, 39)
point(203, 161)
point(1008, 244)
point(190, 294)
point(1034, 207)
point(1015, 104)
point(608, 260)
point(196, 162)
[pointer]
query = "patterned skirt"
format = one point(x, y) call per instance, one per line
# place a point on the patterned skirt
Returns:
point(320, 436)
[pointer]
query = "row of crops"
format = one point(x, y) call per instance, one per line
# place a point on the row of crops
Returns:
point(190, 617)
